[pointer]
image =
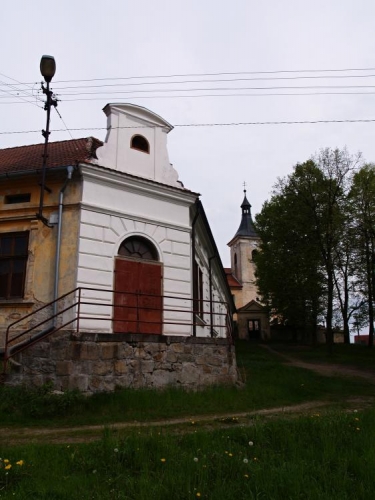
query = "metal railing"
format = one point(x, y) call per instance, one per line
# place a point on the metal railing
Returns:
point(83, 309)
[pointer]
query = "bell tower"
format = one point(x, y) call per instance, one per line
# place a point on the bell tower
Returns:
point(243, 248)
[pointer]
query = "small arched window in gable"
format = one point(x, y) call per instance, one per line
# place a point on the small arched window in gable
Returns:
point(254, 254)
point(140, 143)
point(138, 248)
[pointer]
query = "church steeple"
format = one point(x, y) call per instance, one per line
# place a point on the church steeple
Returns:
point(247, 225)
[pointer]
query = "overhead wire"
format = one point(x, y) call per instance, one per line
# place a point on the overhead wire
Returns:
point(216, 81)
point(133, 77)
point(15, 89)
point(228, 124)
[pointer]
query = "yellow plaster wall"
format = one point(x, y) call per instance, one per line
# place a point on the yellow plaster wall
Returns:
point(40, 274)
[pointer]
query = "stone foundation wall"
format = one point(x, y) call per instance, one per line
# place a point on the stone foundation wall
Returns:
point(102, 362)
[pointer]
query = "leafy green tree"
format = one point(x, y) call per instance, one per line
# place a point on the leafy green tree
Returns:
point(289, 277)
point(308, 221)
point(362, 198)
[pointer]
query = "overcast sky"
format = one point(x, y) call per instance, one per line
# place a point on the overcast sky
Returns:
point(92, 39)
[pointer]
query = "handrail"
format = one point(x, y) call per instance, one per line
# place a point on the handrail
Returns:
point(18, 343)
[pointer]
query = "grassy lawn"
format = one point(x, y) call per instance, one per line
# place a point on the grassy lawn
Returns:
point(312, 458)
point(348, 355)
point(267, 383)
point(319, 456)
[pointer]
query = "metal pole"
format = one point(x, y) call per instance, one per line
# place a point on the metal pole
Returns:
point(49, 102)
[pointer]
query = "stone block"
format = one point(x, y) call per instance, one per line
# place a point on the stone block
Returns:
point(158, 356)
point(214, 360)
point(153, 348)
point(147, 366)
point(177, 347)
point(125, 351)
point(185, 358)
point(79, 382)
point(189, 375)
point(64, 368)
point(121, 367)
point(108, 351)
point(102, 368)
point(89, 350)
point(171, 357)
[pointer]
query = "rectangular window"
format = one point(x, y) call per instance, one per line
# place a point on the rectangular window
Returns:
point(17, 198)
point(13, 260)
point(198, 290)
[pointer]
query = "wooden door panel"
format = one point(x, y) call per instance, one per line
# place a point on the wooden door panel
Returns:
point(137, 297)
point(125, 314)
point(150, 302)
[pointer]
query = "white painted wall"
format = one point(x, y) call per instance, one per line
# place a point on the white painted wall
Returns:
point(139, 194)
point(113, 210)
point(126, 120)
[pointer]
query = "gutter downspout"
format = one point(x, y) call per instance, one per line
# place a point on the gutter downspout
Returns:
point(211, 305)
point(193, 264)
point(58, 241)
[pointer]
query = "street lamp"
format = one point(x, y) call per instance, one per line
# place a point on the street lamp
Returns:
point(47, 69)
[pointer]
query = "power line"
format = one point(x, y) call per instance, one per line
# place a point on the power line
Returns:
point(192, 96)
point(15, 89)
point(216, 81)
point(332, 70)
point(217, 89)
point(229, 124)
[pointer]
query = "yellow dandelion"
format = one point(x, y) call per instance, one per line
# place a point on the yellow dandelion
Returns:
point(20, 462)
point(358, 429)
point(198, 494)
point(163, 460)
point(357, 419)
point(6, 461)
point(255, 459)
point(7, 467)
point(246, 475)
point(231, 454)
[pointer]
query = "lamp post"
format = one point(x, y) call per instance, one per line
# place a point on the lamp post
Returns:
point(47, 69)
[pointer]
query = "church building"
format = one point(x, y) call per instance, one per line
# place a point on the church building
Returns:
point(117, 281)
point(251, 317)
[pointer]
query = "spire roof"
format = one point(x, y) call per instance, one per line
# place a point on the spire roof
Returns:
point(247, 225)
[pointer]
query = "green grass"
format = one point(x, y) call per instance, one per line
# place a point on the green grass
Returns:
point(267, 383)
point(327, 457)
point(351, 355)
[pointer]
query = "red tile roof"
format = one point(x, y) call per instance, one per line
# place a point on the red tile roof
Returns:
point(232, 281)
point(60, 154)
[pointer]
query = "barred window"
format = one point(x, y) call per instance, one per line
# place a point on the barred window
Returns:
point(13, 260)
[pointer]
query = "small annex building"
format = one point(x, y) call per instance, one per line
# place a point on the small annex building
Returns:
point(123, 284)
point(252, 318)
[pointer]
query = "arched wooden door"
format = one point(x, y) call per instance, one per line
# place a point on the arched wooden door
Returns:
point(138, 303)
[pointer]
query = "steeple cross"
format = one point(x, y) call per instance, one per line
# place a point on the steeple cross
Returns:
point(244, 187)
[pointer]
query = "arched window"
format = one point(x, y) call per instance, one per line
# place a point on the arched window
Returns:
point(139, 248)
point(254, 254)
point(235, 265)
point(141, 143)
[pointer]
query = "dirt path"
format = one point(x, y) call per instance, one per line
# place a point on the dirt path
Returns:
point(327, 370)
point(86, 433)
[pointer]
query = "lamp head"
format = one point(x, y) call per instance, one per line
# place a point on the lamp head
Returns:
point(47, 67)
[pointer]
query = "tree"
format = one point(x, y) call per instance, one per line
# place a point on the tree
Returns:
point(362, 198)
point(288, 273)
point(314, 204)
